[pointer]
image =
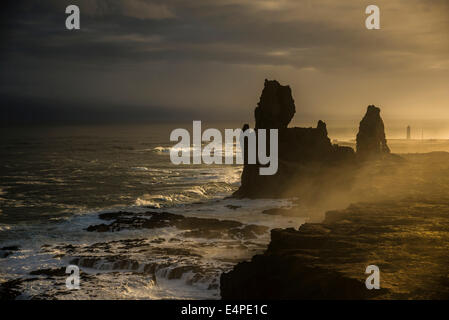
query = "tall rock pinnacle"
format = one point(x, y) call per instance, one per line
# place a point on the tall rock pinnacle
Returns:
point(371, 137)
point(276, 107)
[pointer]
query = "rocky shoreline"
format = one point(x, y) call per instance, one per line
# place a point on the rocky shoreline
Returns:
point(408, 240)
point(179, 255)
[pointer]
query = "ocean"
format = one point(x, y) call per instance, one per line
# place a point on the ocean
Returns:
point(56, 181)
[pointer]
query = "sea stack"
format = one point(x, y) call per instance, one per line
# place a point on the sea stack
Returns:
point(298, 149)
point(276, 106)
point(371, 139)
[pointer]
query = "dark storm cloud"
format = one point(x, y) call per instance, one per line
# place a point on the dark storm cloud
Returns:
point(124, 50)
point(226, 31)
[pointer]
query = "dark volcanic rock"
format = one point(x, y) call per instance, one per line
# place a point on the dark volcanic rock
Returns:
point(276, 106)
point(286, 278)
point(112, 215)
point(408, 240)
point(194, 227)
point(6, 251)
point(177, 272)
point(59, 272)
point(11, 289)
point(99, 228)
point(371, 137)
point(297, 147)
point(11, 248)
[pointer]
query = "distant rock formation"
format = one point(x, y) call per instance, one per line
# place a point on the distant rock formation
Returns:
point(276, 107)
point(371, 137)
point(297, 146)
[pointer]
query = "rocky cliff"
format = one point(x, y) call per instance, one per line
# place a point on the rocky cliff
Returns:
point(407, 240)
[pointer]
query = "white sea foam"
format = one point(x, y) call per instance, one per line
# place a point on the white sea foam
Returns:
point(215, 254)
point(219, 150)
point(139, 169)
point(162, 149)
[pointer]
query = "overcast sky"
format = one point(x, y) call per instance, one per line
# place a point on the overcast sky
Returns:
point(194, 59)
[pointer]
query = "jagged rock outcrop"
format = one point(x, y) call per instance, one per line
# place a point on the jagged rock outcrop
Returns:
point(371, 139)
point(194, 227)
point(297, 147)
point(407, 240)
point(276, 107)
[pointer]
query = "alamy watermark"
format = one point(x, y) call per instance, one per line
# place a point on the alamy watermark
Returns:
point(372, 22)
point(373, 280)
point(72, 282)
point(193, 152)
point(72, 22)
